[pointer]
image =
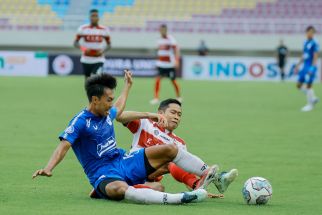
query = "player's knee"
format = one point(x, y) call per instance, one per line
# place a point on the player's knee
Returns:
point(299, 86)
point(171, 151)
point(116, 190)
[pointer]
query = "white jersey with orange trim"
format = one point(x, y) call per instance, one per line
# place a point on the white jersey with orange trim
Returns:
point(95, 39)
point(166, 52)
point(147, 133)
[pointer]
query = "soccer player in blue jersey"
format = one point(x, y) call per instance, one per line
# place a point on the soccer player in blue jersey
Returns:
point(309, 70)
point(110, 170)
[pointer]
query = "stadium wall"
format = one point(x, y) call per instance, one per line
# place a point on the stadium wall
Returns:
point(147, 41)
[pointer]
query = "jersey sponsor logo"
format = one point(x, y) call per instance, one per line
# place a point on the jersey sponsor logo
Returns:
point(165, 138)
point(93, 38)
point(105, 147)
point(70, 129)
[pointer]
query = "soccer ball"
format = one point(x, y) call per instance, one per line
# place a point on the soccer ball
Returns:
point(257, 191)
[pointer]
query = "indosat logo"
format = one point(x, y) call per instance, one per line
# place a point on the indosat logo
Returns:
point(239, 70)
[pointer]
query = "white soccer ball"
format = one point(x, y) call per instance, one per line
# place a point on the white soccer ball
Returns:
point(257, 191)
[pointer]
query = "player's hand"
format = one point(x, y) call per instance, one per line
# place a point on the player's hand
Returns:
point(99, 53)
point(128, 77)
point(177, 65)
point(87, 51)
point(215, 196)
point(42, 172)
point(162, 121)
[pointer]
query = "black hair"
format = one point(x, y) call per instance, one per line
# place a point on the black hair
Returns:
point(310, 28)
point(163, 26)
point(96, 84)
point(165, 103)
point(93, 11)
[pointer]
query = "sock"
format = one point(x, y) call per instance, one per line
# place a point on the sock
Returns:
point(182, 176)
point(303, 89)
point(282, 75)
point(157, 87)
point(149, 196)
point(190, 162)
point(176, 88)
point(310, 95)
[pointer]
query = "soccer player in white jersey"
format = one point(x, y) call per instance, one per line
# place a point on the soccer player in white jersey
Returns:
point(167, 64)
point(147, 133)
point(94, 40)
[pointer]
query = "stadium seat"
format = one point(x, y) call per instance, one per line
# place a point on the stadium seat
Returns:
point(223, 16)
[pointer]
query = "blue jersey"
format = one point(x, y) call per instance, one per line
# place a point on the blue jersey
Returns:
point(310, 47)
point(93, 140)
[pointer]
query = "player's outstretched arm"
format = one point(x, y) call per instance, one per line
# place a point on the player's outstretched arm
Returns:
point(56, 157)
point(129, 116)
point(76, 43)
point(121, 100)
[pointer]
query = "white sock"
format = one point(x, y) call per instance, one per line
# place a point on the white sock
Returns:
point(149, 196)
point(304, 89)
point(310, 95)
point(190, 162)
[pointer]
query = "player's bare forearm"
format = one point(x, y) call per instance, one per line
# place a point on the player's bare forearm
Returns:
point(57, 156)
point(76, 44)
point(121, 100)
point(315, 58)
point(108, 47)
point(128, 116)
point(300, 62)
point(177, 57)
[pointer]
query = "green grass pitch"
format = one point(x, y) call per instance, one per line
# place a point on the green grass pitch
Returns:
point(255, 127)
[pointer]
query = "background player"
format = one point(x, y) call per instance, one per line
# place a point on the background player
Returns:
point(281, 57)
point(95, 42)
point(167, 64)
point(109, 169)
point(309, 70)
point(147, 133)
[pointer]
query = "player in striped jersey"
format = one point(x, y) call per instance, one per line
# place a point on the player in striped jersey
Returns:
point(148, 133)
point(94, 40)
point(167, 64)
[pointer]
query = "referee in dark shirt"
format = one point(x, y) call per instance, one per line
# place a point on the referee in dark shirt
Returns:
point(282, 53)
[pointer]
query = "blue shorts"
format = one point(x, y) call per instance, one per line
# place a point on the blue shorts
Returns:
point(307, 75)
point(129, 168)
